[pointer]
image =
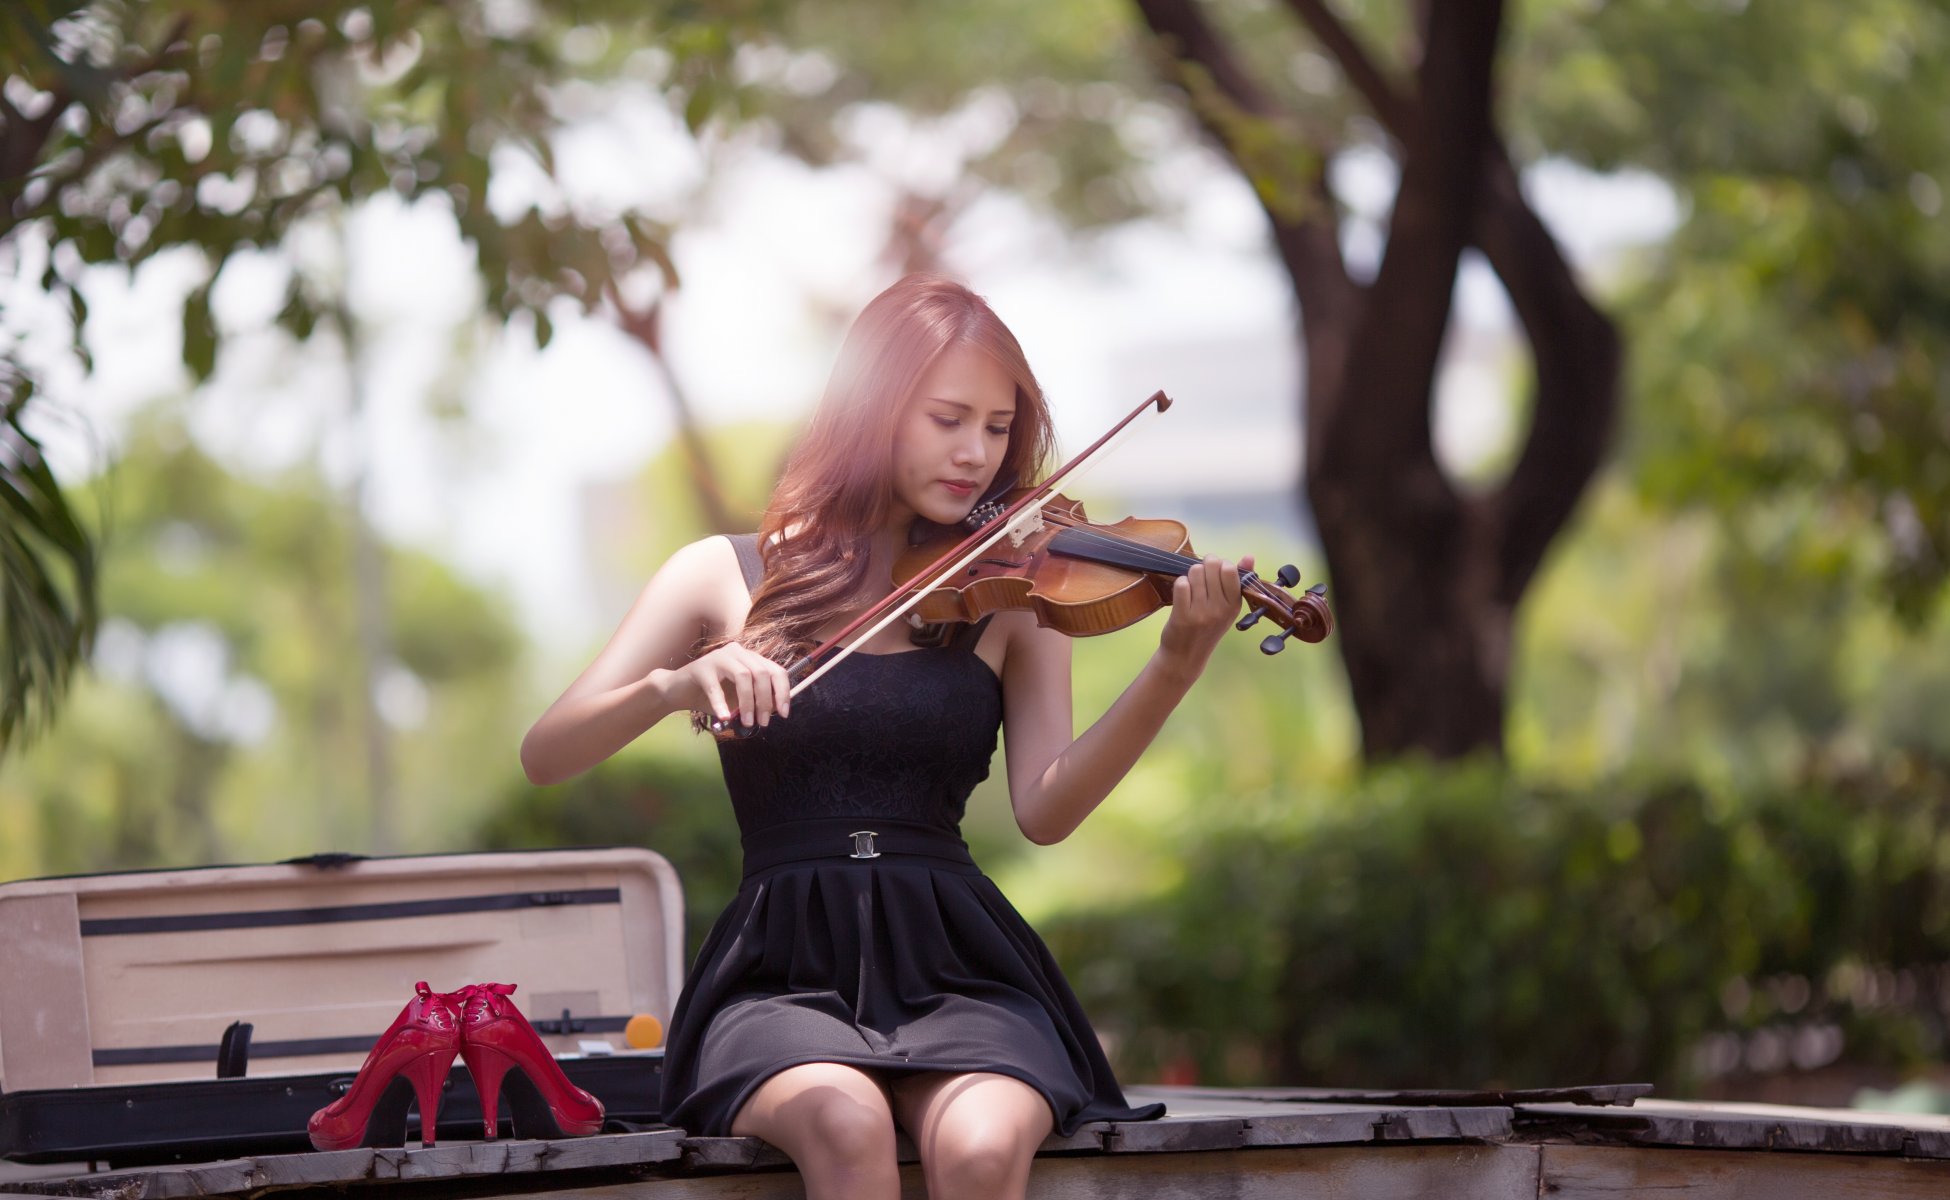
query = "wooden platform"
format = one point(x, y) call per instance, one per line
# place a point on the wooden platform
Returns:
point(1243, 1144)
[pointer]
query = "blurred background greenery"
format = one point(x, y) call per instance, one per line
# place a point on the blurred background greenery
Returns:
point(1628, 761)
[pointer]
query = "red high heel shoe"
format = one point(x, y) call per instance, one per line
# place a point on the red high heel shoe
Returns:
point(496, 1037)
point(420, 1049)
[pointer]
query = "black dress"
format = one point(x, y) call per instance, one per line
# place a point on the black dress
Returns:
point(863, 933)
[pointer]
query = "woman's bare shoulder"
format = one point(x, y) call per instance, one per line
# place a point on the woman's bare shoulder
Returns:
point(707, 569)
point(705, 559)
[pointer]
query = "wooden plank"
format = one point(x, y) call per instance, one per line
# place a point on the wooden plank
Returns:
point(745, 1153)
point(615, 1149)
point(1608, 1093)
point(1329, 1124)
point(1308, 1125)
point(1478, 1172)
point(1721, 1129)
point(318, 1169)
point(1176, 1134)
point(113, 1188)
point(210, 1179)
point(729, 1154)
point(1445, 1124)
point(1928, 1143)
point(453, 1160)
point(1609, 1172)
point(1088, 1139)
point(1419, 1172)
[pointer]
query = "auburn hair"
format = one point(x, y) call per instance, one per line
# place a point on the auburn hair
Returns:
point(837, 483)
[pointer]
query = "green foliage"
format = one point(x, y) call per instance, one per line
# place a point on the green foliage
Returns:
point(47, 573)
point(221, 127)
point(250, 581)
point(1744, 655)
point(1458, 928)
point(130, 129)
point(1792, 338)
point(1721, 843)
point(1048, 100)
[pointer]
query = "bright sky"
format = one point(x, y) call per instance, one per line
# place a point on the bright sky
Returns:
point(762, 239)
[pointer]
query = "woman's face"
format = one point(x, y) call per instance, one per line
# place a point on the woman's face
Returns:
point(952, 435)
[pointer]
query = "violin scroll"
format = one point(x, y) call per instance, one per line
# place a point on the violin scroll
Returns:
point(1305, 616)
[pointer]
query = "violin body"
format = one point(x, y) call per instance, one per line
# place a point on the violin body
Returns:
point(1083, 579)
point(1075, 596)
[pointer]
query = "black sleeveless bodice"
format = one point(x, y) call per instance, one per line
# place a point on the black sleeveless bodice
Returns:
point(904, 736)
point(864, 933)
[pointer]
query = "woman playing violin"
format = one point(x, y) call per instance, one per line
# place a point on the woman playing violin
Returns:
point(868, 975)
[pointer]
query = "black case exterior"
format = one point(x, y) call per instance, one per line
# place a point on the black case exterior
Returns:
point(201, 1120)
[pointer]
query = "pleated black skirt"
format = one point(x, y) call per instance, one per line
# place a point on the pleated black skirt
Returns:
point(905, 962)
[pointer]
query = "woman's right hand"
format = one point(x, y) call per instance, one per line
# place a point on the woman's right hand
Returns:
point(733, 679)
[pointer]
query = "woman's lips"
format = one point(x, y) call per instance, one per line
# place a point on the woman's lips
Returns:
point(959, 489)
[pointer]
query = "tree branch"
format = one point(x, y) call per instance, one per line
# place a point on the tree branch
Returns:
point(1576, 348)
point(646, 327)
point(25, 141)
point(90, 157)
point(1309, 244)
point(1578, 356)
point(1389, 105)
point(1442, 161)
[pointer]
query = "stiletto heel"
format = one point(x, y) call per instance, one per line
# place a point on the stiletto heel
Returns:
point(428, 1074)
point(420, 1047)
point(495, 1037)
point(488, 1067)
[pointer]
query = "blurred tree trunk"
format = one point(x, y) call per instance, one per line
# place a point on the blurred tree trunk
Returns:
point(372, 650)
point(1425, 579)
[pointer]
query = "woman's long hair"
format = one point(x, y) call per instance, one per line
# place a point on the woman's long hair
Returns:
point(838, 481)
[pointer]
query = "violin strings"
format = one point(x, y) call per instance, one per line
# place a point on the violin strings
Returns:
point(1126, 552)
point(1164, 559)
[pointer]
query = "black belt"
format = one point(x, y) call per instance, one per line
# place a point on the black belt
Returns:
point(860, 839)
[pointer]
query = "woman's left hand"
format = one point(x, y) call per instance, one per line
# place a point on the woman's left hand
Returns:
point(1204, 604)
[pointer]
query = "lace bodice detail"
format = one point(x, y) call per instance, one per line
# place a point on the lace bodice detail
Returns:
point(902, 736)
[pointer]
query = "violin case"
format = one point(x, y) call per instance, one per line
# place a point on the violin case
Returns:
point(188, 1015)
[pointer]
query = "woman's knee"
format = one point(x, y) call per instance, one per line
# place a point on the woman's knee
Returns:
point(981, 1154)
point(822, 1111)
point(850, 1128)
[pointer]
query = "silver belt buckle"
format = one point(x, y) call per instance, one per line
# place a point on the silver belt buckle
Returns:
point(863, 844)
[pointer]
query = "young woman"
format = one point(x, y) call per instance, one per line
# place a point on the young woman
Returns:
point(867, 974)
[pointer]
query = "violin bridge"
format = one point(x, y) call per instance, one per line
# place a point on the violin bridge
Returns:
point(1026, 528)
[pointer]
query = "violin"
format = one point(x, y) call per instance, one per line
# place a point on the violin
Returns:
point(1084, 579)
point(1033, 549)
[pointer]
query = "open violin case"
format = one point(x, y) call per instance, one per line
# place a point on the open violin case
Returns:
point(187, 1015)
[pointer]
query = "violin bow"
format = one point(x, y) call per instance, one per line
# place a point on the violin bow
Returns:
point(1025, 514)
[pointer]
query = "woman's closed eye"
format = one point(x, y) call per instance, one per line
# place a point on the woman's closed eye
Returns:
point(955, 423)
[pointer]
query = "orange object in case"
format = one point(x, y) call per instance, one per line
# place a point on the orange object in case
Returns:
point(169, 1014)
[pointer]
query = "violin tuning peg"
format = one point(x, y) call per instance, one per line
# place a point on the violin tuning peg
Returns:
point(1247, 622)
point(1275, 642)
point(1289, 575)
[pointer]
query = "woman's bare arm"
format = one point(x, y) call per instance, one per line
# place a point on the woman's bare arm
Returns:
point(628, 688)
point(1054, 781)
